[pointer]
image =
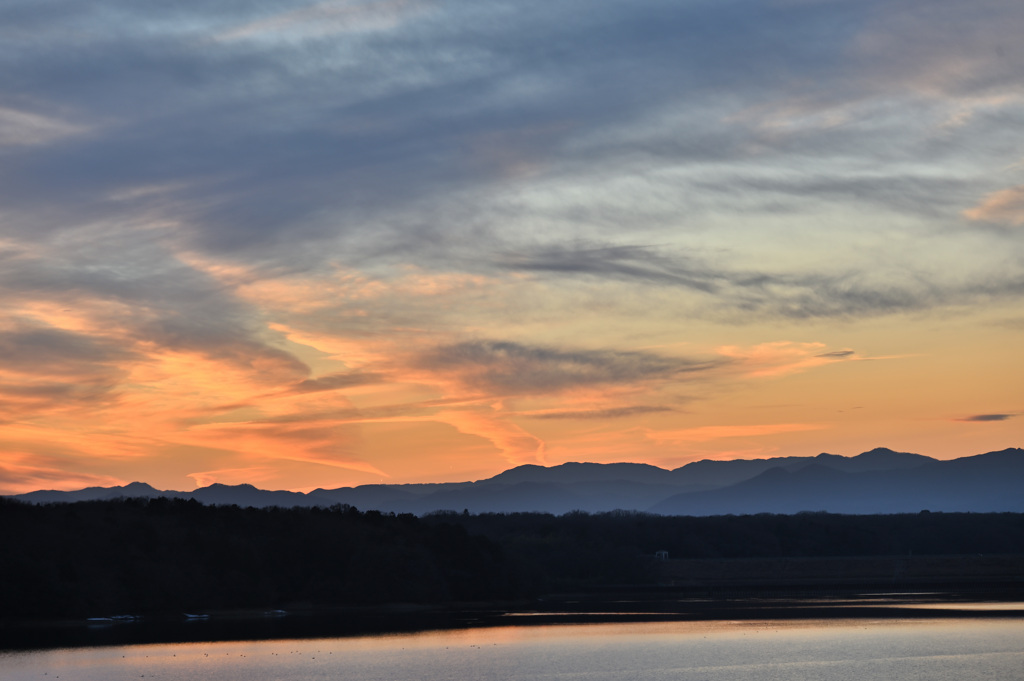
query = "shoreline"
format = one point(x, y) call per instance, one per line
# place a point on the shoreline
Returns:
point(583, 607)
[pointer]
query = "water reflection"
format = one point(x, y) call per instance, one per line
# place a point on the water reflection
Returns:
point(795, 650)
point(971, 606)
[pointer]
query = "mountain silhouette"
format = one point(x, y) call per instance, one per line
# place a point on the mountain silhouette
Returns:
point(583, 472)
point(132, 490)
point(983, 483)
point(877, 481)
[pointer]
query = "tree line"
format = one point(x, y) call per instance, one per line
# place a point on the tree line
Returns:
point(170, 555)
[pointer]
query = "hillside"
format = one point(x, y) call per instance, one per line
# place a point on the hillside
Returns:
point(877, 481)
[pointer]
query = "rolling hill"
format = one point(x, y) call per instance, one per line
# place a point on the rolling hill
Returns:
point(877, 481)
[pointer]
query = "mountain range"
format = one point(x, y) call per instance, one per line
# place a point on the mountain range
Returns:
point(877, 481)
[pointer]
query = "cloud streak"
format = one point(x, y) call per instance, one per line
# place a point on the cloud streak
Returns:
point(512, 368)
point(988, 418)
point(325, 19)
point(599, 414)
point(1005, 206)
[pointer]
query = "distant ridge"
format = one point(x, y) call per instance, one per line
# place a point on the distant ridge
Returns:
point(877, 481)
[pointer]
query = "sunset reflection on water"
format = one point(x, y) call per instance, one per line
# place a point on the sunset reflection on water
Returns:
point(796, 650)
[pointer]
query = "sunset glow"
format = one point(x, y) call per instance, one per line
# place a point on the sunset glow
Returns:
point(322, 244)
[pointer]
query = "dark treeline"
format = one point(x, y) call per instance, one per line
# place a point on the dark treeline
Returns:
point(149, 556)
point(748, 536)
point(142, 556)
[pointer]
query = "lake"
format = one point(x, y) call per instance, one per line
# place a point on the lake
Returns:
point(944, 649)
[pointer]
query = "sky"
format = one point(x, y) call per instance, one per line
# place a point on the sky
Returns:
point(305, 244)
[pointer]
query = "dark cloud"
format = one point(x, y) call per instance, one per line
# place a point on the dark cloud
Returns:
point(838, 354)
point(505, 367)
point(852, 293)
point(620, 262)
point(600, 414)
point(46, 351)
point(985, 418)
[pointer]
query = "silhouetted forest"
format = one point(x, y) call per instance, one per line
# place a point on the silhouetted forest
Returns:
point(163, 555)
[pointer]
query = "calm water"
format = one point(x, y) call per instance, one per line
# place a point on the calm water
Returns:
point(833, 650)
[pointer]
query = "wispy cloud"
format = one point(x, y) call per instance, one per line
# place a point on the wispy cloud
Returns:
point(233, 476)
point(19, 128)
point(326, 18)
point(1005, 206)
point(780, 358)
point(987, 418)
point(598, 414)
point(513, 368)
point(516, 445)
point(25, 472)
point(837, 354)
point(625, 262)
point(724, 292)
point(338, 382)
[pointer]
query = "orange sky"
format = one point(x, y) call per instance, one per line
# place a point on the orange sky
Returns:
point(335, 243)
point(314, 404)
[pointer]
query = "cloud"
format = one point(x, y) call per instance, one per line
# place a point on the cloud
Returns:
point(781, 358)
point(338, 382)
point(625, 262)
point(738, 294)
point(45, 370)
point(1012, 323)
point(988, 418)
point(84, 306)
point(22, 472)
point(955, 51)
point(516, 445)
point(837, 354)
point(1005, 206)
point(233, 476)
point(597, 414)
point(290, 149)
point(325, 19)
point(46, 351)
point(901, 190)
point(504, 367)
point(26, 128)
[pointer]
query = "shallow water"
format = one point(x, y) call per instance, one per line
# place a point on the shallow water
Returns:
point(822, 650)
